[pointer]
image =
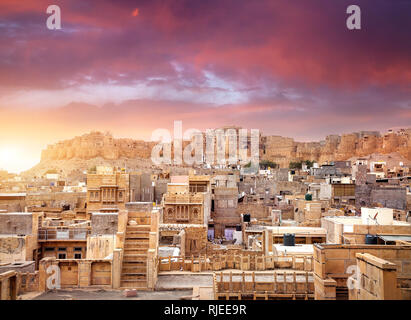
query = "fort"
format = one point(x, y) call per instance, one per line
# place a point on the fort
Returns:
point(280, 150)
point(321, 230)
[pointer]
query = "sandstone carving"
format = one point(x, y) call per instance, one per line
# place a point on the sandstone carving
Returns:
point(278, 149)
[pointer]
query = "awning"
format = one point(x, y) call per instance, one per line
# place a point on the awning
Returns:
point(394, 237)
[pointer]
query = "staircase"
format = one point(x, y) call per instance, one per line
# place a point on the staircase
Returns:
point(136, 244)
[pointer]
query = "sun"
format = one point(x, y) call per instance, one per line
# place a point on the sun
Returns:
point(8, 157)
point(17, 158)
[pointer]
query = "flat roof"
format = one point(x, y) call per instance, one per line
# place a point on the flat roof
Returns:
point(298, 230)
point(104, 213)
point(297, 249)
point(13, 235)
point(139, 202)
point(394, 237)
point(18, 213)
point(178, 226)
point(358, 221)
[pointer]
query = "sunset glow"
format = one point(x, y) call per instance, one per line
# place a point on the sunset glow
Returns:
point(284, 67)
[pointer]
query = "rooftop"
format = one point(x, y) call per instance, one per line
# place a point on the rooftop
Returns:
point(359, 221)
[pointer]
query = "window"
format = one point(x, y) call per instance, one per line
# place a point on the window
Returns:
point(48, 249)
point(61, 249)
point(77, 256)
point(61, 256)
point(182, 213)
point(78, 249)
point(170, 213)
point(94, 196)
point(195, 213)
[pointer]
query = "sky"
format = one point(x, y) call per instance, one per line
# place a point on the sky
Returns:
point(289, 68)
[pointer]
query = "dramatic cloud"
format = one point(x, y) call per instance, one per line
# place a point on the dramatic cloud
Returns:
point(287, 67)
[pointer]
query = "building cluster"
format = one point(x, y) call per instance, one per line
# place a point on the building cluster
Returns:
point(339, 230)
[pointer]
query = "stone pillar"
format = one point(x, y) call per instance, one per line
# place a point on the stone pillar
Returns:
point(116, 268)
point(151, 269)
point(152, 240)
point(324, 289)
point(84, 273)
point(182, 235)
point(3, 289)
point(155, 220)
point(8, 285)
point(122, 221)
point(267, 242)
point(119, 240)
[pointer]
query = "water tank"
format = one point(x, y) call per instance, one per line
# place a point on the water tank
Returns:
point(308, 197)
point(289, 239)
point(370, 239)
point(247, 217)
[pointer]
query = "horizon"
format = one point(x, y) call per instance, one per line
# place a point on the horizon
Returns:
point(33, 161)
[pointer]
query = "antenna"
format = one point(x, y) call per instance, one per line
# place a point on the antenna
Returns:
point(375, 218)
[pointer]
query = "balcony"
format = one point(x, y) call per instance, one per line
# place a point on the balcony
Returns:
point(63, 234)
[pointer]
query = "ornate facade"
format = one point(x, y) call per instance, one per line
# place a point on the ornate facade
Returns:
point(107, 191)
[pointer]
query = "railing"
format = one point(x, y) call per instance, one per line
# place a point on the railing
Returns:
point(63, 234)
point(278, 285)
point(235, 261)
point(255, 228)
point(183, 198)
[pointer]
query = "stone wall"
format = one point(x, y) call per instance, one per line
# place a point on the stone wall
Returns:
point(104, 223)
point(335, 148)
point(390, 197)
point(367, 195)
point(339, 261)
point(16, 223)
point(26, 266)
point(97, 144)
point(376, 279)
point(15, 248)
point(57, 199)
point(281, 150)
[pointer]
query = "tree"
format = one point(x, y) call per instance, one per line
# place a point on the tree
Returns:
point(299, 164)
point(295, 165)
point(265, 164)
point(309, 163)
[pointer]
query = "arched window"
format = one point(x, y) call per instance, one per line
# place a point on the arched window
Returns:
point(170, 213)
point(195, 213)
